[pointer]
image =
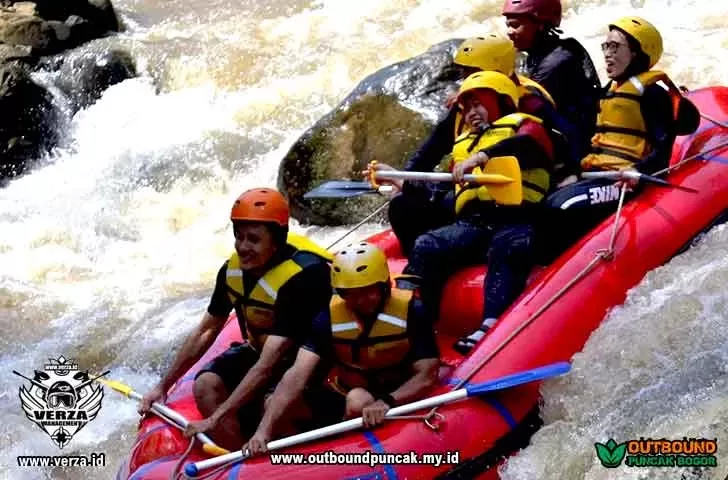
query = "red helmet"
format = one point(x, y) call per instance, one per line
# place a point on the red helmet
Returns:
point(261, 205)
point(545, 11)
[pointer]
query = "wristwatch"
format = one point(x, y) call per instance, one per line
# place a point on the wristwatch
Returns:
point(388, 399)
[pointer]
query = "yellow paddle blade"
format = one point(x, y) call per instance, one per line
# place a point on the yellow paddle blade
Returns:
point(510, 193)
point(118, 386)
point(492, 178)
point(214, 450)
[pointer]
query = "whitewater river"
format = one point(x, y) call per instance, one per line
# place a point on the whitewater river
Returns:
point(108, 253)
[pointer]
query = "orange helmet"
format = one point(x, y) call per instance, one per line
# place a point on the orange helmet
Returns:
point(261, 205)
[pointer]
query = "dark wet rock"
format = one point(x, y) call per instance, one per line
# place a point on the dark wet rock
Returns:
point(385, 118)
point(83, 75)
point(27, 123)
point(42, 36)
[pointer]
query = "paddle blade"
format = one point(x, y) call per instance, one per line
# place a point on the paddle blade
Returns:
point(516, 379)
point(490, 179)
point(213, 450)
point(340, 189)
point(125, 390)
point(510, 193)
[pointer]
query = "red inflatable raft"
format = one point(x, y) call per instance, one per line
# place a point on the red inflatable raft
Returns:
point(548, 323)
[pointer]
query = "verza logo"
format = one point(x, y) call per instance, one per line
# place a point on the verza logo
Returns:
point(58, 404)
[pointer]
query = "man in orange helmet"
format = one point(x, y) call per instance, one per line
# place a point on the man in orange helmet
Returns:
point(276, 282)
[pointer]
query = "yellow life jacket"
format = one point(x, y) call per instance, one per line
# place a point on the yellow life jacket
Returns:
point(379, 355)
point(255, 308)
point(535, 181)
point(621, 135)
point(528, 86)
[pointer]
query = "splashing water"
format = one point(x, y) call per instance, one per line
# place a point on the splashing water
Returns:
point(108, 251)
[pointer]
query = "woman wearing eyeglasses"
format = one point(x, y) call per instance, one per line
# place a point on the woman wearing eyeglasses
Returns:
point(637, 123)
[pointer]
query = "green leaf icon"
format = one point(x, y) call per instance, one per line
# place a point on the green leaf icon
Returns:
point(611, 453)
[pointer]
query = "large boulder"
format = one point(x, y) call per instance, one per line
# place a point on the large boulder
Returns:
point(385, 118)
point(27, 123)
point(52, 26)
point(99, 15)
point(52, 36)
point(22, 27)
point(20, 53)
point(84, 74)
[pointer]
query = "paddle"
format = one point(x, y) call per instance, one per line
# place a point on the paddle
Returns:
point(633, 175)
point(166, 414)
point(508, 381)
point(345, 189)
point(486, 178)
point(501, 174)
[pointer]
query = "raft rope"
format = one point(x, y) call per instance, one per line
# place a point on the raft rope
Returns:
point(356, 227)
point(605, 254)
point(713, 120)
point(174, 475)
point(719, 146)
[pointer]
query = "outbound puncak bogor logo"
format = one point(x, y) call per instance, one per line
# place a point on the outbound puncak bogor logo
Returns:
point(663, 452)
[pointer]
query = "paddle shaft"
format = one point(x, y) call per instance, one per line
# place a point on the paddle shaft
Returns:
point(440, 176)
point(613, 175)
point(175, 417)
point(346, 426)
point(632, 175)
point(165, 413)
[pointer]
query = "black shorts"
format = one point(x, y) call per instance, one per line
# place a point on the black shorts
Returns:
point(232, 366)
point(327, 406)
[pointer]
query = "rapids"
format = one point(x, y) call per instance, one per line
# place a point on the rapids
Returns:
point(108, 250)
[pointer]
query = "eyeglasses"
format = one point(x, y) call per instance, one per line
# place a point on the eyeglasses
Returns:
point(612, 46)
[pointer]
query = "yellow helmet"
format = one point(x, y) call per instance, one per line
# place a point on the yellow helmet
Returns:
point(491, 52)
point(359, 265)
point(644, 33)
point(492, 81)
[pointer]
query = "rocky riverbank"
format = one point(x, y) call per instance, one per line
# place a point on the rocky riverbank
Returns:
point(43, 37)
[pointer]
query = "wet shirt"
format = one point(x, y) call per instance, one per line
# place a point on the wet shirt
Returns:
point(299, 300)
point(657, 112)
point(420, 330)
point(565, 70)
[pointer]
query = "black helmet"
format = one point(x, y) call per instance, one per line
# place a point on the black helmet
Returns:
point(61, 395)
